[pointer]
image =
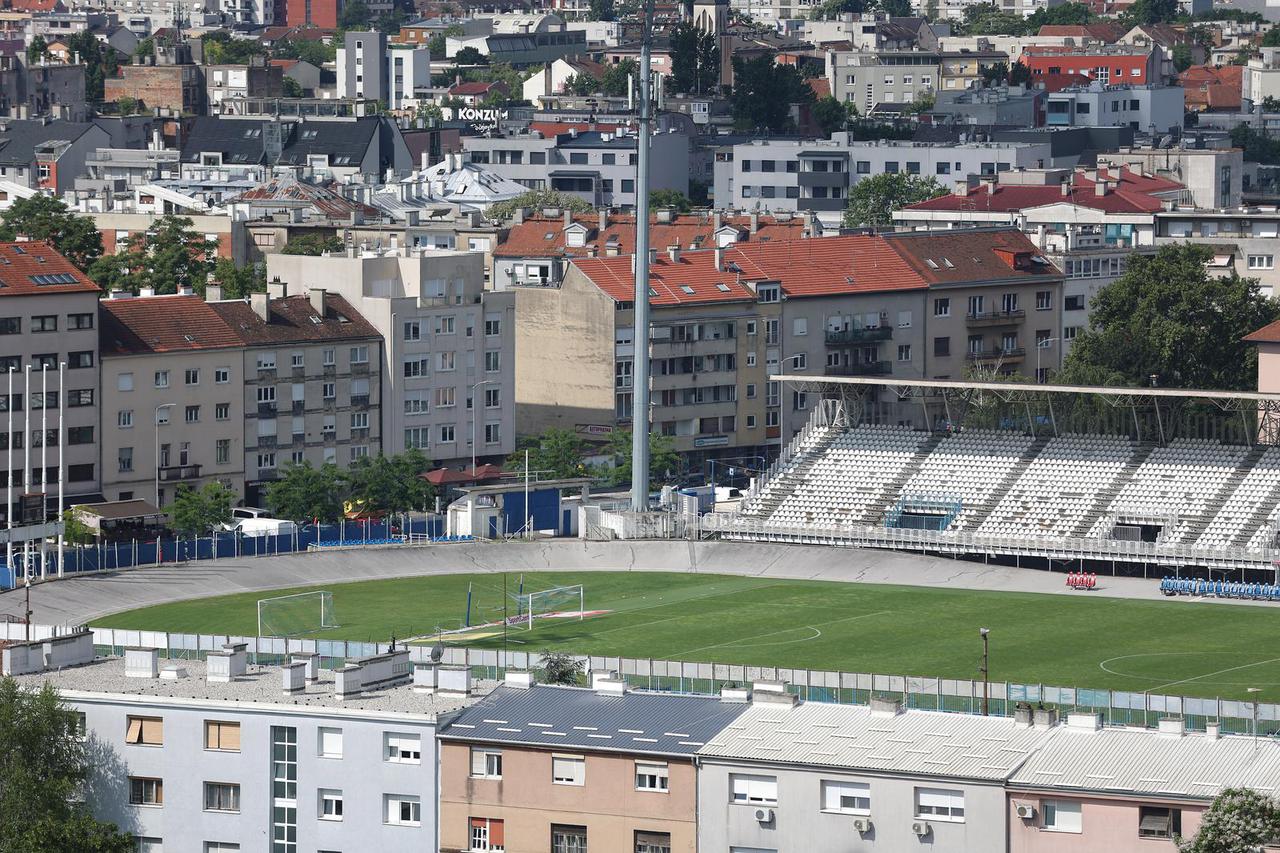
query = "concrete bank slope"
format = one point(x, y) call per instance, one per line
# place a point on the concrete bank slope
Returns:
point(79, 600)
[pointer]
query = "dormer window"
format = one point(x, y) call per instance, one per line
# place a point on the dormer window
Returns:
point(768, 293)
point(575, 236)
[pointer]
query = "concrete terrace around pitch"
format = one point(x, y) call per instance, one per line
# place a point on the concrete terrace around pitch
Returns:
point(78, 600)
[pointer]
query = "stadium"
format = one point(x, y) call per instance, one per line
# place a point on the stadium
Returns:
point(1118, 544)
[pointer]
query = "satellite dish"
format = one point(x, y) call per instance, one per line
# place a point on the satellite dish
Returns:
point(437, 652)
point(1166, 141)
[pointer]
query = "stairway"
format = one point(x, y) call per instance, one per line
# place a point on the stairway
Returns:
point(1108, 494)
point(1196, 526)
point(973, 520)
point(774, 492)
point(877, 510)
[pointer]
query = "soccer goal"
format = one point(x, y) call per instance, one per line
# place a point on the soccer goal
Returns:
point(295, 615)
point(559, 601)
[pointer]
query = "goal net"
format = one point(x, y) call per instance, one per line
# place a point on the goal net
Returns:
point(559, 601)
point(295, 615)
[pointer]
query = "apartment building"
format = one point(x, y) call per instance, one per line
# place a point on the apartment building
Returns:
point(362, 66)
point(1055, 68)
point(536, 767)
point(1151, 109)
point(1213, 176)
point(313, 374)
point(1243, 239)
point(885, 77)
point(816, 175)
point(596, 166)
point(174, 411)
point(48, 319)
point(256, 79)
point(448, 352)
point(208, 756)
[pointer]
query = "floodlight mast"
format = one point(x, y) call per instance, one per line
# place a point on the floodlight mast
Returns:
point(640, 367)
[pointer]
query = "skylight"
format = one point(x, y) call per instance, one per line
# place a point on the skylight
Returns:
point(687, 289)
point(56, 278)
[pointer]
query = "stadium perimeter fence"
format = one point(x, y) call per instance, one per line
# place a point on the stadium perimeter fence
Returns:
point(107, 556)
point(1118, 708)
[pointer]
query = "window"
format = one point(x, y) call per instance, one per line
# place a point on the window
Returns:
point(492, 398)
point(10, 325)
point(80, 359)
point(297, 360)
point(266, 361)
point(492, 433)
point(415, 367)
point(266, 394)
point(222, 452)
point(266, 461)
point(405, 810)
point(799, 327)
point(124, 382)
point(44, 323)
point(446, 435)
point(1159, 822)
point(162, 379)
point(124, 419)
point(221, 736)
point(147, 844)
point(222, 375)
point(904, 319)
point(492, 361)
point(124, 458)
point(904, 352)
point(330, 804)
point(412, 330)
point(568, 770)
point(359, 420)
point(941, 347)
point(284, 789)
point(445, 397)
point(487, 834)
point(846, 797)
point(221, 797)
point(360, 355)
point(449, 360)
point(1061, 816)
point(942, 307)
point(145, 731)
point(1069, 332)
point(1009, 302)
point(329, 743)
point(940, 804)
point(146, 792)
point(800, 362)
point(486, 763)
point(192, 414)
point(1073, 303)
point(1044, 300)
point(768, 293)
point(755, 790)
point(327, 358)
point(568, 839)
point(492, 328)
point(402, 748)
point(221, 847)
point(446, 326)
point(653, 842)
point(1256, 262)
point(652, 776)
point(192, 376)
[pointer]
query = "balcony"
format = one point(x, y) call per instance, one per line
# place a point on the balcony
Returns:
point(866, 368)
point(996, 318)
point(178, 473)
point(266, 410)
point(844, 337)
point(299, 406)
point(360, 401)
point(1008, 356)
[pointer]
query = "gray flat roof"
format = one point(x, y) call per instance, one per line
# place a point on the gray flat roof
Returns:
point(958, 385)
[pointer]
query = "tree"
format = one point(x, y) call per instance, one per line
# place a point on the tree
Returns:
point(1150, 12)
point(221, 49)
point(291, 88)
point(670, 198)
point(1016, 74)
point(127, 106)
point(830, 114)
point(1238, 820)
point(75, 531)
point(100, 61)
point(145, 48)
point(557, 451)
point(873, 199)
point(197, 511)
point(614, 81)
point(1272, 37)
point(988, 19)
point(355, 16)
point(44, 766)
point(561, 668)
point(304, 493)
point(43, 217)
point(171, 254)
point(536, 200)
point(601, 10)
point(312, 244)
point(1067, 14)
point(1182, 59)
point(382, 484)
point(1270, 104)
point(470, 56)
point(315, 52)
point(695, 59)
point(580, 84)
point(1256, 145)
point(664, 462)
point(1168, 317)
point(237, 282)
point(37, 50)
point(763, 93)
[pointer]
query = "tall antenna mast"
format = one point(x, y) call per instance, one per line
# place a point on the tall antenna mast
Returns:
point(640, 406)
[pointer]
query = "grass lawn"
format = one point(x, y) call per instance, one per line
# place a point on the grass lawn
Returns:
point(1175, 647)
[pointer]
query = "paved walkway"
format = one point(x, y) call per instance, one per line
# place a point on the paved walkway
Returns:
point(81, 599)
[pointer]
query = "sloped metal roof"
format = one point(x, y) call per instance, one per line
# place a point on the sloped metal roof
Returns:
point(574, 717)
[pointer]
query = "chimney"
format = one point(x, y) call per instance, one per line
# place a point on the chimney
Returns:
point(735, 694)
point(316, 295)
point(1066, 189)
point(717, 219)
point(608, 684)
point(568, 217)
point(1213, 731)
point(212, 292)
point(653, 256)
point(719, 258)
point(228, 663)
point(120, 294)
point(962, 188)
point(186, 290)
point(1100, 186)
point(312, 661)
point(673, 252)
point(665, 215)
point(602, 220)
point(277, 289)
point(258, 301)
point(453, 681)
point(772, 693)
point(520, 679)
point(755, 222)
point(1091, 722)
point(1172, 727)
point(141, 663)
point(347, 681)
point(293, 677)
point(882, 707)
point(146, 291)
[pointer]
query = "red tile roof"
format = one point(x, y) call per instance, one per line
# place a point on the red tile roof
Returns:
point(962, 256)
point(542, 237)
point(550, 129)
point(293, 321)
point(821, 86)
point(475, 87)
point(1210, 87)
point(157, 324)
point(1269, 334)
point(23, 264)
point(1101, 31)
point(1133, 195)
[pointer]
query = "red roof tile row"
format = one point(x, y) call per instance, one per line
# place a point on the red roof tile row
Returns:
point(544, 237)
point(1134, 194)
point(35, 267)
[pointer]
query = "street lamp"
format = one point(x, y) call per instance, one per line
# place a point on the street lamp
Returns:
point(984, 632)
point(1255, 714)
point(1042, 344)
point(156, 426)
point(473, 421)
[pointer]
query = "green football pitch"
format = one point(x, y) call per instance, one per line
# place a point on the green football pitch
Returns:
point(1174, 647)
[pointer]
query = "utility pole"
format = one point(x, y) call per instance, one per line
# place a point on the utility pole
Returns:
point(27, 607)
point(986, 693)
point(640, 370)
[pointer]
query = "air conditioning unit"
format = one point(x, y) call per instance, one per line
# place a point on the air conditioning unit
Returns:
point(1026, 812)
point(764, 815)
point(862, 825)
point(920, 828)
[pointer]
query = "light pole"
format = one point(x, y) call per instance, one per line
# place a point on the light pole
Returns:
point(986, 709)
point(1044, 344)
point(473, 421)
point(155, 424)
point(1254, 703)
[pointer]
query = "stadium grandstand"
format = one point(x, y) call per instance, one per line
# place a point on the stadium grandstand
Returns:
point(1073, 476)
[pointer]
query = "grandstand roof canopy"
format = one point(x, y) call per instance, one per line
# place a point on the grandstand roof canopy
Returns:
point(959, 385)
